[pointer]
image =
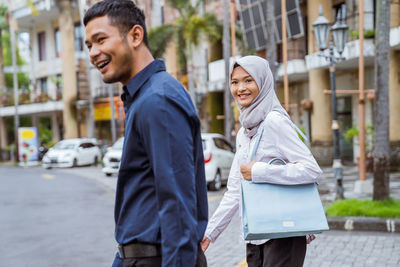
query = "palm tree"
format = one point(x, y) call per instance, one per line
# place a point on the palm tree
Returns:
point(3, 25)
point(187, 31)
point(381, 115)
point(271, 46)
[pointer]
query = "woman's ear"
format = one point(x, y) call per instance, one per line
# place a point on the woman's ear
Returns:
point(136, 36)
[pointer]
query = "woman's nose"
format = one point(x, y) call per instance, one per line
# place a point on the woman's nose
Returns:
point(241, 86)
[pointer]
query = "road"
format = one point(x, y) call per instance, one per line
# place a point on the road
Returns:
point(64, 217)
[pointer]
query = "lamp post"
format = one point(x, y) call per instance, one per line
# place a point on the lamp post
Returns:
point(339, 32)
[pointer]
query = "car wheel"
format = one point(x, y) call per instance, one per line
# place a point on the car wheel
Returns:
point(108, 174)
point(75, 163)
point(216, 184)
point(96, 161)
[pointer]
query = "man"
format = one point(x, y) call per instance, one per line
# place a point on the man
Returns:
point(161, 200)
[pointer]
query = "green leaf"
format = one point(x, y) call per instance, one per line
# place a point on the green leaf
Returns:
point(159, 37)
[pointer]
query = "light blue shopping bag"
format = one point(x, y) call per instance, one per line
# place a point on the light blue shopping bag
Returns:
point(278, 211)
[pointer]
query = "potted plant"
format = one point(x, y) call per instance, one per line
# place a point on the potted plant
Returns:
point(352, 134)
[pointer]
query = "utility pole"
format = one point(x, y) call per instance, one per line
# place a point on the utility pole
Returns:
point(284, 52)
point(91, 125)
point(15, 84)
point(361, 102)
point(227, 54)
point(112, 119)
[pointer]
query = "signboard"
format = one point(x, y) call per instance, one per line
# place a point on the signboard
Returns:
point(27, 144)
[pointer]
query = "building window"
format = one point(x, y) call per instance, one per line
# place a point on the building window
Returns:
point(253, 21)
point(43, 86)
point(42, 46)
point(78, 37)
point(57, 36)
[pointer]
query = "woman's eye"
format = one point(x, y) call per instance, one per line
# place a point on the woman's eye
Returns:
point(249, 80)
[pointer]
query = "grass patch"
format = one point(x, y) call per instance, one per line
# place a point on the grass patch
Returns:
point(389, 208)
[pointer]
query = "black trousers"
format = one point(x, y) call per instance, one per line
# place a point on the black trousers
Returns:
point(281, 252)
point(156, 261)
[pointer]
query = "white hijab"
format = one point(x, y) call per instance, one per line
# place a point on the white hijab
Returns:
point(266, 100)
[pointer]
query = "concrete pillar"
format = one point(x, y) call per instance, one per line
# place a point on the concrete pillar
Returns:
point(394, 108)
point(55, 129)
point(394, 14)
point(394, 95)
point(68, 69)
point(321, 116)
point(3, 134)
point(312, 14)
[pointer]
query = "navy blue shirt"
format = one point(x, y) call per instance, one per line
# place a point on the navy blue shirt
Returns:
point(161, 190)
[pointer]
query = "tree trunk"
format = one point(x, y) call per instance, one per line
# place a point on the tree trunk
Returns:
point(227, 55)
point(189, 58)
point(381, 115)
point(270, 45)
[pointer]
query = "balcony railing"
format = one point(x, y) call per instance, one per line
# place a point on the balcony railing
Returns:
point(7, 98)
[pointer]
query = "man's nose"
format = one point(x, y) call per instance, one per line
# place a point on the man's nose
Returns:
point(94, 51)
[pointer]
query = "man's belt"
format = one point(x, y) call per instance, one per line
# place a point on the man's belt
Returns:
point(139, 250)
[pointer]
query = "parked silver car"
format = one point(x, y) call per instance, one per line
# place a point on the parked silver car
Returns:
point(112, 158)
point(218, 157)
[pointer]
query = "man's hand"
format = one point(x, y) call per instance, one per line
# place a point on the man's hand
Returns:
point(245, 169)
point(205, 243)
point(310, 238)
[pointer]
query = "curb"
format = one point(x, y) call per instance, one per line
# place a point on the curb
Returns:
point(364, 224)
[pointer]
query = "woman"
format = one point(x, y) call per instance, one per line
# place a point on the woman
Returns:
point(252, 87)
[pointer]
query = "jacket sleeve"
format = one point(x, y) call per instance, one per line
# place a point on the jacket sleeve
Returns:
point(301, 166)
point(229, 203)
point(166, 131)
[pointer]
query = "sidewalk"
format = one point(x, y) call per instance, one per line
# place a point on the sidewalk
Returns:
point(350, 176)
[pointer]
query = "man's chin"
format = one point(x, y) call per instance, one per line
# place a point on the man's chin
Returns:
point(110, 79)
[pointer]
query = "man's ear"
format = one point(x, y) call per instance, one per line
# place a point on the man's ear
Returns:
point(136, 36)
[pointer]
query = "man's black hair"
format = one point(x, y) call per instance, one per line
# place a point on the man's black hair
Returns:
point(123, 14)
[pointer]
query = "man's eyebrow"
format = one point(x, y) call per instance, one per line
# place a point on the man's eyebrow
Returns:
point(94, 36)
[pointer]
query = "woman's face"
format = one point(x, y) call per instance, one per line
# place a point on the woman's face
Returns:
point(243, 87)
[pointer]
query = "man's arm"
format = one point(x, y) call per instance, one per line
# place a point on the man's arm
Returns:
point(168, 139)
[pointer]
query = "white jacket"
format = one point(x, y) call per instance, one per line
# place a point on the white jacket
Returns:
point(279, 140)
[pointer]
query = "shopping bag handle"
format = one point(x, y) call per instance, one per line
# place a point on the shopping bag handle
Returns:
point(261, 131)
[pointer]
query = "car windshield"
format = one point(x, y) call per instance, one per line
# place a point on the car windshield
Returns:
point(118, 144)
point(64, 145)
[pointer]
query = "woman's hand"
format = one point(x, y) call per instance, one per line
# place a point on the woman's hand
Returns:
point(245, 169)
point(205, 243)
point(310, 238)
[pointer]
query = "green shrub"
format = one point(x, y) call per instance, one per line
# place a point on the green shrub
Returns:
point(389, 208)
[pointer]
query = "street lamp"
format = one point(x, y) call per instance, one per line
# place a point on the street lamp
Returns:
point(339, 31)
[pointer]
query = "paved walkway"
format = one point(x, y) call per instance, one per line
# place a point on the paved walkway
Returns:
point(350, 176)
point(332, 248)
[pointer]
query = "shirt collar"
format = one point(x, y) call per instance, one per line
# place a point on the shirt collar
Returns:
point(139, 79)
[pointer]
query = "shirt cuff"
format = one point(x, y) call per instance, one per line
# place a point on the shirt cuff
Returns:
point(258, 172)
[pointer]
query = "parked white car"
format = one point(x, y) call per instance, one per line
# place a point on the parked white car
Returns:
point(72, 152)
point(112, 158)
point(218, 157)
